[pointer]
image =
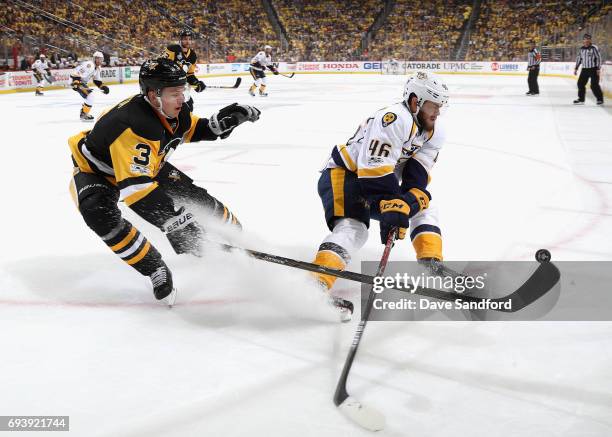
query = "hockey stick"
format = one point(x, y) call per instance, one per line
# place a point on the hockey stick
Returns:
point(226, 87)
point(287, 75)
point(364, 416)
point(539, 283)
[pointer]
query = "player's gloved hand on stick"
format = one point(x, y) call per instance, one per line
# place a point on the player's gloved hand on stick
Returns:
point(75, 84)
point(184, 233)
point(396, 211)
point(393, 214)
point(104, 89)
point(200, 86)
point(224, 121)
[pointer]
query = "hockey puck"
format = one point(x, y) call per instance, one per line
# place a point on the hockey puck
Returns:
point(542, 256)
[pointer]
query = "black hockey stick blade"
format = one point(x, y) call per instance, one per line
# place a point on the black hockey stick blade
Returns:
point(227, 87)
point(287, 75)
point(539, 283)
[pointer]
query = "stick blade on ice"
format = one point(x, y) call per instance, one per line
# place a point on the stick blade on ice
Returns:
point(364, 416)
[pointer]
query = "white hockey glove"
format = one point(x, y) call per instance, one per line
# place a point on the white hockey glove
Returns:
point(224, 121)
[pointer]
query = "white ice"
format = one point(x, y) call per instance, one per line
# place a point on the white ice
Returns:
point(249, 349)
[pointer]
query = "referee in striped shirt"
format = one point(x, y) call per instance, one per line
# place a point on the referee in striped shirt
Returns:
point(590, 59)
point(533, 66)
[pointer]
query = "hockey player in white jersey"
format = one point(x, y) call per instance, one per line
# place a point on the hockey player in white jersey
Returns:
point(259, 63)
point(42, 71)
point(81, 76)
point(382, 173)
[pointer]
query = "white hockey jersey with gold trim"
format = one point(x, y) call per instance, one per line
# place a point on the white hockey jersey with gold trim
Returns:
point(381, 147)
point(86, 71)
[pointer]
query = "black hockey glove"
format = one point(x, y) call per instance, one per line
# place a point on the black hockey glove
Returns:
point(393, 213)
point(199, 86)
point(223, 122)
point(104, 89)
point(397, 211)
point(184, 233)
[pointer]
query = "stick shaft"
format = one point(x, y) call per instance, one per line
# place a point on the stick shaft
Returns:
point(341, 394)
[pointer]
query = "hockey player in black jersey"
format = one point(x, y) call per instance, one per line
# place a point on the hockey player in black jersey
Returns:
point(125, 158)
point(186, 57)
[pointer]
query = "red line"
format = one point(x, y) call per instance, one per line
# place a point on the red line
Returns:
point(603, 206)
point(78, 304)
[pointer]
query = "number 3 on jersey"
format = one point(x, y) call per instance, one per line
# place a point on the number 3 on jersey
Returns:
point(378, 149)
point(145, 153)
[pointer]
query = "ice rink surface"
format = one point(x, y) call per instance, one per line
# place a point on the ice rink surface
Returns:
point(249, 350)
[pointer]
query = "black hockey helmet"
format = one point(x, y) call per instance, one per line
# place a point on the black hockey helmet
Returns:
point(159, 73)
point(186, 32)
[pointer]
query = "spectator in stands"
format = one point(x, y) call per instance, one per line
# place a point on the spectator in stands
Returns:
point(26, 62)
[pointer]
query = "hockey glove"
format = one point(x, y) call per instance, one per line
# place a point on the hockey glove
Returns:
point(223, 122)
point(199, 87)
point(397, 211)
point(393, 213)
point(81, 89)
point(104, 89)
point(184, 233)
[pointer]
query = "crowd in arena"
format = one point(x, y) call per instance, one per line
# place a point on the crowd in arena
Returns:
point(331, 29)
point(505, 28)
point(436, 25)
point(67, 30)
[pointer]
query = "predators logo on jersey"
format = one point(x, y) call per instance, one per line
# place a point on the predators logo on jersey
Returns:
point(388, 118)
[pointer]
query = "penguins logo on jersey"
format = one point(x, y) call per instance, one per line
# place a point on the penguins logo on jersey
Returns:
point(174, 175)
point(172, 144)
point(421, 75)
point(388, 118)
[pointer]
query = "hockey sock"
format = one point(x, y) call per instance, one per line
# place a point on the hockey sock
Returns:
point(427, 243)
point(329, 255)
point(230, 218)
point(132, 247)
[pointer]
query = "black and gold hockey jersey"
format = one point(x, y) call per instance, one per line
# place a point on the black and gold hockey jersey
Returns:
point(130, 143)
point(187, 61)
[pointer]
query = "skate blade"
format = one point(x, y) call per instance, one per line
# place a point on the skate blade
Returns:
point(170, 299)
point(345, 315)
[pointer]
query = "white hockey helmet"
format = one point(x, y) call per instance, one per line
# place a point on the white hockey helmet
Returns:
point(426, 86)
point(266, 47)
point(98, 55)
point(42, 56)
